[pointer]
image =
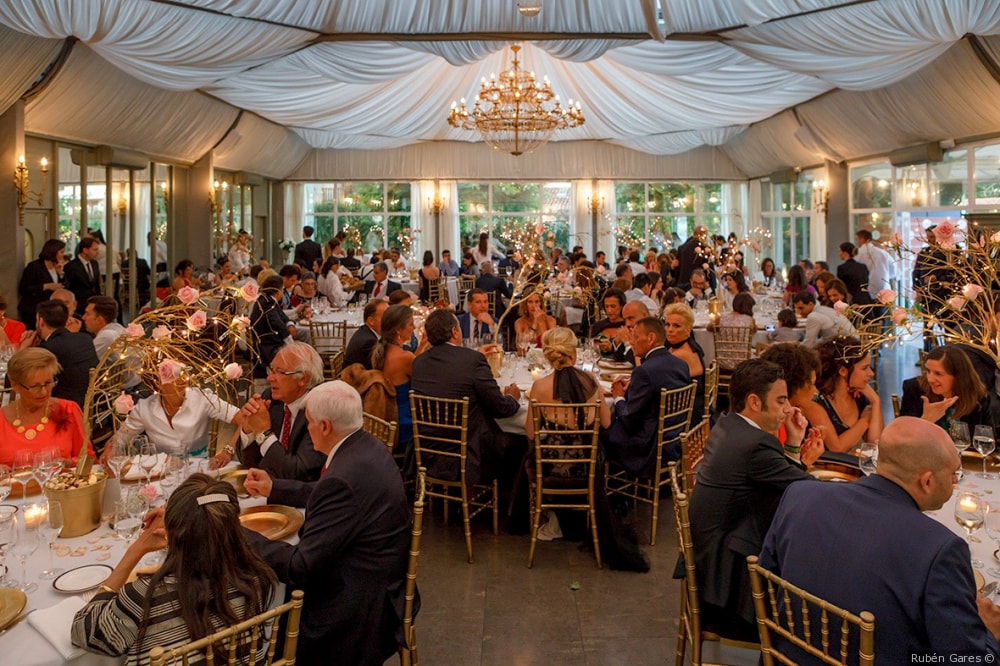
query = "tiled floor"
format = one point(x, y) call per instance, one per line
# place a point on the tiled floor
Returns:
point(497, 611)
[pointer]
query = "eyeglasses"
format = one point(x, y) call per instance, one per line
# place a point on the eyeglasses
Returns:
point(286, 373)
point(39, 388)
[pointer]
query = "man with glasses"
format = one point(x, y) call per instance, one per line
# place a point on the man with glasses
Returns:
point(700, 289)
point(274, 436)
point(74, 351)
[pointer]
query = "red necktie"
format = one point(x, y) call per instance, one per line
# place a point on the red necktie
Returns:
point(378, 288)
point(286, 428)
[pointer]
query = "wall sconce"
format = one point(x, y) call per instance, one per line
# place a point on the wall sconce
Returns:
point(122, 205)
point(436, 204)
point(21, 183)
point(214, 198)
point(166, 194)
point(821, 197)
point(595, 204)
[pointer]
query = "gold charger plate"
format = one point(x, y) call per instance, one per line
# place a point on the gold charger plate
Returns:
point(614, 365)
point(612, 376)
point(12, 602)
point(272, 521)
point(235, 477)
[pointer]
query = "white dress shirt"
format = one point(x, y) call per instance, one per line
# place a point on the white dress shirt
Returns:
point(190, 425)
point(824, 323)
point(880, 268)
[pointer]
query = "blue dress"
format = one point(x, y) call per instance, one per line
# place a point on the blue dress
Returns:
point(405, 420)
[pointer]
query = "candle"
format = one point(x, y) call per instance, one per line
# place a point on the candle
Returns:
point(968, 504)
point(34, 515)
point(537, 373)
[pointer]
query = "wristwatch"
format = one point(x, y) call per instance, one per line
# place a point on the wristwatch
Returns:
point(261, 437)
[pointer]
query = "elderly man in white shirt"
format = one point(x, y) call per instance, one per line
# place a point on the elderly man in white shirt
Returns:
point(822, 323)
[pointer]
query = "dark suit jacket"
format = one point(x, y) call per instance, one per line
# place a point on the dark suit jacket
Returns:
point(690, 259)
point(351, 557)
point(350, 262)
point(270, 327)
point(75, 353)
point(359, 347)
point(75, 274)
point(390, 287)
point(498, 286)
point(912, 405)
point(465, 323)
point(867, 546)
point(30, 292)
point(446, 371)
point(854, 275)
point(301, 461)
point(632, 438)
point(307, 252)
point(738, 487)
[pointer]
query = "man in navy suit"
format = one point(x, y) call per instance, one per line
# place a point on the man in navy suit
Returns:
point(359, 348)
point(867, 546)
point(308, 251)
point(351, 556)
point(631, 441)
point(83, 274)
point(274, 436)
point(739, 485)
point(477, 323)
point(490, 282)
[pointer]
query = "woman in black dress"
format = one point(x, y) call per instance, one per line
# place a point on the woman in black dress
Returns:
point(40, 279)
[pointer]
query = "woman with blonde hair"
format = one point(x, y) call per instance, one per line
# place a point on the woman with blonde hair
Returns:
point(678, 320)
point(533, 320)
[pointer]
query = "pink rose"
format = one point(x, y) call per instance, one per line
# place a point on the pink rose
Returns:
point(134, 331)
point(149, 493)
point(249, 291)
point(197, 321)
point(170, 371)
point(886, 296)
point(995, 238)
point(945, 234)
point(242, 322)
point(233, 371)
point(971, 291)
point(840, 307)
point(187, 295)
point(124, 404)
point(896, 239)
point(956, 302)
point(161, 332)
point(899, 316)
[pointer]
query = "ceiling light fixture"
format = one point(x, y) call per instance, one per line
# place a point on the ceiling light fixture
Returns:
point(529, 8)
point(511, 112)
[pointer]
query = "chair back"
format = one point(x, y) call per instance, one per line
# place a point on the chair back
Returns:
point(380, 429)
point(335, 364)
point(675, 417)
point(408, 653)
point(437, 290)
point(690, 608)
point(791, 613)
point(711, 379)
point(328, 336)
point(565, 436)
point(440, 429)
point(248, 633)
point(465, 283)
point(895, 405)
point(732, 345)
point(693, 452)
point(491, 297)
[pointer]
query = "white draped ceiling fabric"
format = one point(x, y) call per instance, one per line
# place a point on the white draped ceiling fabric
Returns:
point(324, 78)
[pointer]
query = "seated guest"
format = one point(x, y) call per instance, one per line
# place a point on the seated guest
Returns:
point(396, 262)
point(35, 419)
point(769, 277)
point(352, 553)
point(290, 275)
point(448, 370)
point(700, 291)
point(351, 262)
point(306, 291)
point(396, 364)
point(671, 295)
point(359, 347)
point(447, 265)
point(10, 328)
point(329, 283)
point(741, 314)
point(476, 321)
point(797, 282)
point(380, 286)
point(271, 326)
point(738, 487)
point(606, 330)
point(846, 408)
point(734, 284)
point(509, 264)
point(177, 417)
point(822, 323)
point(631, 441)
point(836, 292)
point(786, 330)
point(948, 390)
point(428, 271)
point(74, 351)
point(678, 324)
point(210, 578)
point(641, 289)
point(274, 436)
point(183, 276)
point(489, 282)
point(822, 281)
point(799, 366)
point(66, 297)
point(534, 320)
point(101, 320)
point(917, 581)
point(469, 265)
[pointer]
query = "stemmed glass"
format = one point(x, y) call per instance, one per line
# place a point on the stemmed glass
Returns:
point(868, 451)
point(148, 456)
point(992, 524)
point(47, 463)
point(129, 513)
point(969, 514)
point(24, 541)
point(119, 453)
point(52, 524)
point(959, 432)
point(23, 470)
point(5, 482)
point(984, 442)
point(7, 514)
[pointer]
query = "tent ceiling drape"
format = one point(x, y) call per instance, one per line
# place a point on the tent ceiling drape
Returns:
point(661, 77)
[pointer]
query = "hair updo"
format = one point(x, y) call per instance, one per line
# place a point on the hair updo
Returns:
point(559, 347)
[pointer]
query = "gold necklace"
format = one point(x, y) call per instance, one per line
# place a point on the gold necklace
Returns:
point(30, 433)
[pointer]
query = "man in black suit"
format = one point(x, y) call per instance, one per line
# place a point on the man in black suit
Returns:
point(489, 282)
point(350, 261)
point(359, 348)
point(74, 351)
point(271, 326)
point(308, 251)
point(631, 440)
point(380, 286)
point(448, 370)
point(739, 485)
point(692, 255)
point(83, 274)
point(274, 436)
point(351, 556)
point(476, 322)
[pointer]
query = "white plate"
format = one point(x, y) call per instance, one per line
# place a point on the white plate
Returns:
point(82, 578)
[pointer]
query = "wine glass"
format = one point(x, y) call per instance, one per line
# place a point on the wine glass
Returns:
point(992, 524)
point(148, 456)
point(868, 452)
point(969, 514)
point(25, 540)
point(46, 463)
point(984, 442)
point(126, 525)
point(7, 514)
point(23, 471)
point(5, 482)
point(173, 468)
point(119, 453)
point(959, 432)
point(52, 524)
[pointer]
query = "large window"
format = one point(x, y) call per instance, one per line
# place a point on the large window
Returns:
point(372, 215)
point(662, 215)
point(515, 214)
point(785, 232)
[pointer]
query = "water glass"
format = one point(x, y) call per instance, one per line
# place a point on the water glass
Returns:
point(7, 526)
point(868, 452)
point(24, 542)
point(985, 443)
point(969, 514)
point(23, 470)
point(52, 525)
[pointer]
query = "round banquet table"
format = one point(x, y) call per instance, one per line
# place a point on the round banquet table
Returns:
point(23, 644)
point(983, 548)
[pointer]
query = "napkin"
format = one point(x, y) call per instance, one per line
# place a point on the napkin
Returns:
point(136, 472)
point(54, 625)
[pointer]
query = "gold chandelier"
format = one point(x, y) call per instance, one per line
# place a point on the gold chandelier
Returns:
point(513, 113)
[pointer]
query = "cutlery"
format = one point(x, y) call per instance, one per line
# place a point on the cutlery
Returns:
point(989, 588)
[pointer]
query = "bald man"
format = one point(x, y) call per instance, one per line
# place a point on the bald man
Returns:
point(66, 297)
point(867, 545)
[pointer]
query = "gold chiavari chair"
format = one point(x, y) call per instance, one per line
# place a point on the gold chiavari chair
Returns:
point(711, 389)
point(440, 434)
point(408, 653)
point(248, 635)
point(674, 418)
point(693, 452)
point(806, 621)
point(328, 337)
point(895, 405)
point(564, 449)
point(437, 290)
point(732, 347)
point(335, 364)
point(382, 430)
